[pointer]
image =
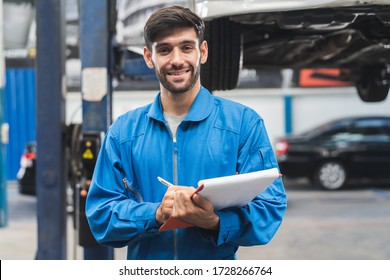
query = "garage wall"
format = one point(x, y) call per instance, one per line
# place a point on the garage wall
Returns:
point(310, 107)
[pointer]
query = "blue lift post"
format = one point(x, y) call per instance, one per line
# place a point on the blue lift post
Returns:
point(3, 136)
point(97, 25)
point(287, 75)
point(50, 102)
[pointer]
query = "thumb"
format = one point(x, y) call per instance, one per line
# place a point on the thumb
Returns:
point(197, 200)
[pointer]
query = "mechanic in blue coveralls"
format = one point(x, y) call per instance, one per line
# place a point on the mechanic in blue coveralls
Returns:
point(185, 135)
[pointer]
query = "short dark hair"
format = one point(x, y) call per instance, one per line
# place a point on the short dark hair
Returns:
point(167, 18)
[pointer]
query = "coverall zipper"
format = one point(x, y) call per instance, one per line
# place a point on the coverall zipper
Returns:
point(175, 181)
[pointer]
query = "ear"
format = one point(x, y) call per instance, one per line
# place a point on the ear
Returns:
point(148, 58)
point(204, 51)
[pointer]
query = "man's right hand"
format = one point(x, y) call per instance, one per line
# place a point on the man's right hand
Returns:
point(165, 209)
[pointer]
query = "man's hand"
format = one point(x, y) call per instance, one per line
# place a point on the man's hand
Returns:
point(197, 210)
point(165, 209)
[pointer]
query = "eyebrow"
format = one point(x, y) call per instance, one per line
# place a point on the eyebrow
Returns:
point(185, 42)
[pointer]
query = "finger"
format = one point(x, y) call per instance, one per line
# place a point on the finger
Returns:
point(181, 199)
point(201, 202)
point(182, 204)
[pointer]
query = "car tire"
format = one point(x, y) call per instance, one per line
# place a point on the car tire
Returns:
point(222, 69)
point(368, 88)
point(330, 175)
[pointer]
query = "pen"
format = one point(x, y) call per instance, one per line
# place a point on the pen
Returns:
point(165, 182)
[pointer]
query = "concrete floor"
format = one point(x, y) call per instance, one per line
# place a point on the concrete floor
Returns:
point(319, 225)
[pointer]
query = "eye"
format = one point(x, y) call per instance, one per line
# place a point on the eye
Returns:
point(187, 48)
point(163, 50)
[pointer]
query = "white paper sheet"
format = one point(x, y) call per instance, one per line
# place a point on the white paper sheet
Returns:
point(237, 190)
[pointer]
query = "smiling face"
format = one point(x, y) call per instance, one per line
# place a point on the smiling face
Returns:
point(176, 57)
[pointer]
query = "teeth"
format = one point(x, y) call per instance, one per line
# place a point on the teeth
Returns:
point(176, 73)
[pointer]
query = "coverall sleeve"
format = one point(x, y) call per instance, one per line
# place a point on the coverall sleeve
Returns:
point(256, 223)
point(115, 214)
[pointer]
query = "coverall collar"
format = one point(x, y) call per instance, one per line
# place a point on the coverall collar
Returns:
point(200, 109)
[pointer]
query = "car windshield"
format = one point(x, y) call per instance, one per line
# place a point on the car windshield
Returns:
point(326, 129)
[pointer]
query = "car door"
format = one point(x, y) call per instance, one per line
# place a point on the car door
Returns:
point(370, 157)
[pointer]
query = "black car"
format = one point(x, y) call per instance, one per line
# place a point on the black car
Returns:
point(338, 152)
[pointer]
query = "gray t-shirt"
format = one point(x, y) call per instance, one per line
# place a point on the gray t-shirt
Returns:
point(173, 122)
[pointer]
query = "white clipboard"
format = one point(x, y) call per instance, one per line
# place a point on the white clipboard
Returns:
point(237, 190)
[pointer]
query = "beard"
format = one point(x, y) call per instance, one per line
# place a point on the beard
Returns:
point(180, 86)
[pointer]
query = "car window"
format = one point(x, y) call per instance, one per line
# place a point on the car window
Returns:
point(359, 130)
point(369, 127)
point(336, 133)
point(386, 128)
point(371, 130)
point(327, 130)
point(334, 130)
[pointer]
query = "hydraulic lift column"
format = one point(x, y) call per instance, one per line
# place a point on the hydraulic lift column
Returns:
point(97, 26)
point(51, 168)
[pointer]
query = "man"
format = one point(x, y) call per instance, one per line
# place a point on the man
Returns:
point(185, 135)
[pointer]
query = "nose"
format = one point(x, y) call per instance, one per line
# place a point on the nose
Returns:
point(176, 57)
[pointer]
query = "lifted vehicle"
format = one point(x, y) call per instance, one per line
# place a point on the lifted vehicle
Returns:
point(267, 35)
point(353, 36)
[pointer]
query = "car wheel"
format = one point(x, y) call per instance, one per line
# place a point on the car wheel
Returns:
point(368, 87)
point(331, 175)
point(224, 39)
